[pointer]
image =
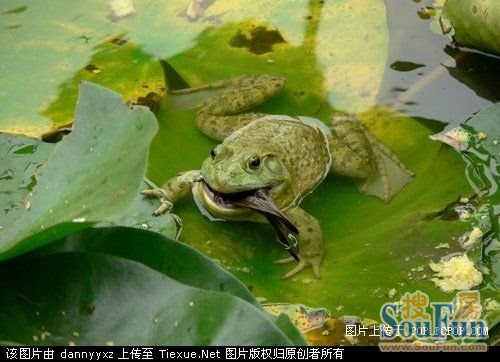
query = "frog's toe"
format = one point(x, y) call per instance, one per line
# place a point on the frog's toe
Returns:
point(287, 260)
point(382, 170)
point(300, 266)
point(164, 207)
point(315, 268)
point(388, 178)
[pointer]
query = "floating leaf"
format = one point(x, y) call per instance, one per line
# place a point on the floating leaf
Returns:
point(485, 125)
point(339, 56)
point(479, 140)
point(140, 215)
point(79, 182)
point(54, 40)
point(122, 302)
point(62, 44)
point(304, 318)
point(476, 23)
point(20, 158)
point(172, 258)
point(137, 76)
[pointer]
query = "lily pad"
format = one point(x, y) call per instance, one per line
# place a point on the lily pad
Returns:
point(485, 124)
point(347, 39)
point(478, 138)
point(339, 56)
point(476, 23)
point(137, 77)
point(140, 215)
point(172, 258)
point(20, 158)
point(45, 302)
point(109, 138)
point(51, 42)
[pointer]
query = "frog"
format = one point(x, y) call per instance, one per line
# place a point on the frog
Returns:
point(303, 317)
point(266, 164)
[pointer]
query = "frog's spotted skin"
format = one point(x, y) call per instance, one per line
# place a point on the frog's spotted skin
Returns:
point(266, 164)
point(274, 135)
point(303, 317)
point(221, 113)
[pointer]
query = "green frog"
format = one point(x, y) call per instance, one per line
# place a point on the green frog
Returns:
point(266, 164)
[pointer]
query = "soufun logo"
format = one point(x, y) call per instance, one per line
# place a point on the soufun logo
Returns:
point(414, 316)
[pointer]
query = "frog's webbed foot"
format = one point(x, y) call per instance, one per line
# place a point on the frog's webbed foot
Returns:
point(302, 264)
point(166, 205)
point(390, 174)
point(364, 156)
point(310, 243)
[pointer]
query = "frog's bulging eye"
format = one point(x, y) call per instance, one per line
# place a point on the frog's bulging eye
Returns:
point(254, 162)
point(213, 153)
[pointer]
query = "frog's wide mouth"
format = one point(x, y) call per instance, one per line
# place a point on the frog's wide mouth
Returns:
point(222, 205)
point(226, 200)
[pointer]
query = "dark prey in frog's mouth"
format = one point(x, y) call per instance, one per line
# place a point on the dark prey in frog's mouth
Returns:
point(260, 201)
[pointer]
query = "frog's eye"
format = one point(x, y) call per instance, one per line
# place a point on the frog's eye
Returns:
point(254, 162)
point(274, 165)
point(213, 153)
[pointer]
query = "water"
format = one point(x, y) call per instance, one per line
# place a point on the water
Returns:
point(452, 85)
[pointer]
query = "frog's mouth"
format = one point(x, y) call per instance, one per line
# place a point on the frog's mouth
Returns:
point(259, 200)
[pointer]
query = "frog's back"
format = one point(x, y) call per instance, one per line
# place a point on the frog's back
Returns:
point(300, 143)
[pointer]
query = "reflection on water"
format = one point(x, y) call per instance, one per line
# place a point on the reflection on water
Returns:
point(479, 72)
point(453, 85)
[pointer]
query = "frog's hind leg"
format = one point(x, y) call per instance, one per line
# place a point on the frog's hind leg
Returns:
point(310, 243)
point(393, 173)
point(222, 113)
point(383, 149)
point(219, 127)
point(383, 174)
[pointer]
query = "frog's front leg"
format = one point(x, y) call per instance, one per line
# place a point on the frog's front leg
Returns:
point(310, 243)
point(223, 112)
point(173, 189)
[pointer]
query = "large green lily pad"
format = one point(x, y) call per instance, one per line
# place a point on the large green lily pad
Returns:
point(172, 258)
point(476, 23)
point(20, 158)
point(123, 302)
point(92, 175)
point(336, 50)
point(43, 45)
point(62, 44)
